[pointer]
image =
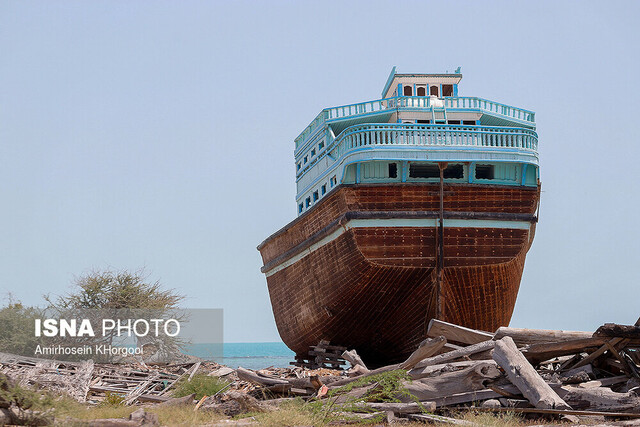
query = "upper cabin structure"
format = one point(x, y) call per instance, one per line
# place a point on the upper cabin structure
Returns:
point(420, 121)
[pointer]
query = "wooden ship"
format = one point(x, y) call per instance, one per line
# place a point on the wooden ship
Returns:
point(419, 205)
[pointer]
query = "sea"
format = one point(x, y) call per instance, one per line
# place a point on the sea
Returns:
point(250, 355)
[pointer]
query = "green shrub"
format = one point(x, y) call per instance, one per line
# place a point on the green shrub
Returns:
point(113, 399)
point(201, 384)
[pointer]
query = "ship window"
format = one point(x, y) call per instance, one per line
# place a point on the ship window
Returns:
point(453, 122)
point(334, 181)
point(454, 172)
point(313, 152)
point(315, 196)
point(299, 166)
point(421, 91)
point(433, 90)
point(468, 122)
point(393, 170)
point(321, 145)
point(408, 91)
point(323, 189)
point(424, 170)
point(447, 90)
point(424, 122)
point(305, 160)
point(484, 172)
point(300, 207)
point(307, 202)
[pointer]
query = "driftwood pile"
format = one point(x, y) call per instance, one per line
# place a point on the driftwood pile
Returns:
point(543, 372)
point(86, 381)
point(539, 372)
point(323, 355)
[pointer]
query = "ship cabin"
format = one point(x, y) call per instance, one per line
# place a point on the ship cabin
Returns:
point(420, 124)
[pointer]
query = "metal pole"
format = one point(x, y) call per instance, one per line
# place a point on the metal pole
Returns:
point(440, 240)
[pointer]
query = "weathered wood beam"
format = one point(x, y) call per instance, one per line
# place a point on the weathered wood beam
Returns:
point(246, 375)
point(537, 353)
point(602, 399)
point(471, 396)
point(352, 357)
point(439, 419)
point(466, 380)
point(604, 382)
point(556, 412)
point(427, 348)
point(615, 330)
point(456, 333)
point(524, 376)
point(457, 354)
point(427, 371)
point(523, 336)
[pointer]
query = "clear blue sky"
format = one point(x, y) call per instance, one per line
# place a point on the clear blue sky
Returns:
point(160, 134)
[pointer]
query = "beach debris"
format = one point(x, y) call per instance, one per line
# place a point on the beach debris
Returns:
point(529, 371)
point(235, 403)
point(532, 372)
point(323, 355)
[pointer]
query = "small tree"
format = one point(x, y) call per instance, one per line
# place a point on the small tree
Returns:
point(16, 330)
point(122, 295)
point(117, 290)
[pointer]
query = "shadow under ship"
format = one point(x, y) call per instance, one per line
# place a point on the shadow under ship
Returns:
point(418, 205)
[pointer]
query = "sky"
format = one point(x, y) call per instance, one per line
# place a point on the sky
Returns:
point(159, 135)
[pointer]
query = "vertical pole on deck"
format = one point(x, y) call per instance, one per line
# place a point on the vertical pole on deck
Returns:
point(440, 240)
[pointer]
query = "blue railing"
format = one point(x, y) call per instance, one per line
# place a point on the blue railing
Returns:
point(433, 135)
point(381, 105)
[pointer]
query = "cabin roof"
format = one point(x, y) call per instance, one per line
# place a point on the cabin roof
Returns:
point(456, 76)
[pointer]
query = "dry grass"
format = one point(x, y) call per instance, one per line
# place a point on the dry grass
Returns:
point(201, 385)
point(184, 416)
point(495, 420)
point(67, 409)
point(294, 413)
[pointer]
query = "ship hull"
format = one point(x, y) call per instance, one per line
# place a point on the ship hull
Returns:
point(359, 269)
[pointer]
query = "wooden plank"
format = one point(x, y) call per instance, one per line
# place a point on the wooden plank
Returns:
point(523, 336)
point(449, 383)
point(601, 399)
point(353, 358)
point(427, 371)
point(457, 354)
point(132, 396)
point(325, 354)
point(329, 347)
point(152, 398)
point(246, 375)
point(193, 372)
point(617, 355)
point(426, 348)
point(604, 382)
point(593, 356)
point(554, 412)
point(472, 396)
point(537, 353)
point(439, 419)
point(615, 330)
point(524, 376)
point(456, 333)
